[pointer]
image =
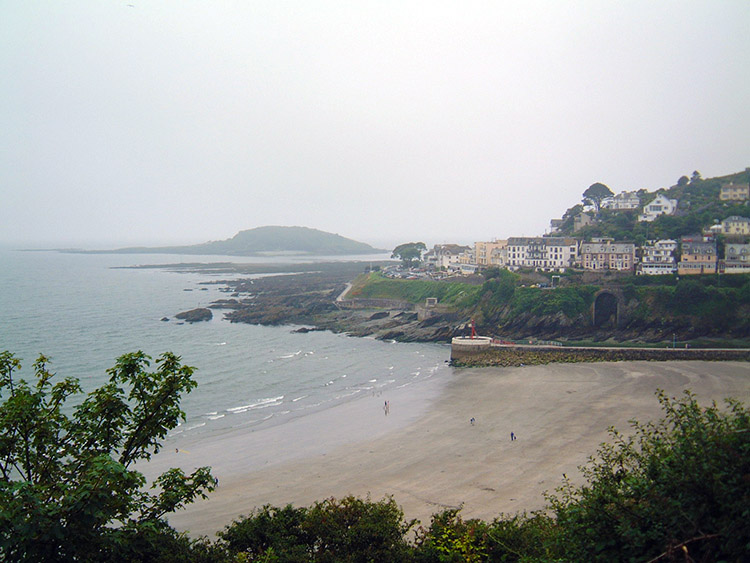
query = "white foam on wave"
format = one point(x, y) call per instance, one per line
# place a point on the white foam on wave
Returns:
point(371, 380)
point(287, 356)
point(221, 344)
point(344, 395)
point(299, 398)
point(216, 417)
point(269, 402)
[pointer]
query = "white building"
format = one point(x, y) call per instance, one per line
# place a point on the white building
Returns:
point(623, 200)
point(658, 258)
point(445, 256)
point(662, 205)
point(549, 254)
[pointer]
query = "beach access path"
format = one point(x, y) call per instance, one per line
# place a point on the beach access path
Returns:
point(435, 458)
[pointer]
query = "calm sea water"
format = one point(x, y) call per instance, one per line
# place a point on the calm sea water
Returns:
point(83, 312)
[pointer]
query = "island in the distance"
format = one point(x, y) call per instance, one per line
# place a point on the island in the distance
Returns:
point(262, 240)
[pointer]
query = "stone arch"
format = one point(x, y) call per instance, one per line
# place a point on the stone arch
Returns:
point(607, 308)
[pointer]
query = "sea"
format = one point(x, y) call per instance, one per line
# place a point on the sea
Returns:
point(83, 311)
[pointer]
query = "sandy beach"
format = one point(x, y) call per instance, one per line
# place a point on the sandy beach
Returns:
point(429, 456)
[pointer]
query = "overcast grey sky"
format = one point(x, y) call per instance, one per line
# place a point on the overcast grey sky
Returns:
point(159, 122)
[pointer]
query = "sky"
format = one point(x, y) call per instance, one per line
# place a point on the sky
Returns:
point(156, 122)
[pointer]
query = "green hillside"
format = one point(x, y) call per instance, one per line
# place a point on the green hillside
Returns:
point(699, 207)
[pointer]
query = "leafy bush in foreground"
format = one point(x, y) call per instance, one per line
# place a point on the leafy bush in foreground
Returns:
point(349, 530)
point(68, 491)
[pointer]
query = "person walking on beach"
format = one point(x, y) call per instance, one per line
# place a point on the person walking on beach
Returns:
point(512, 437)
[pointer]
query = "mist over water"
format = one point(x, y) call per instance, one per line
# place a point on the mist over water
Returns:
point(84, 311)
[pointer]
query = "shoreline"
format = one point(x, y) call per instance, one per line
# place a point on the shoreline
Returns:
point(435, 459)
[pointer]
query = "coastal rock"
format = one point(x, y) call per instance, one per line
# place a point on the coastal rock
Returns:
point(379, 315)
point(196, 315)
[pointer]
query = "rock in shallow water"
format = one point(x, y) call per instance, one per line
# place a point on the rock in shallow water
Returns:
point(195, 315)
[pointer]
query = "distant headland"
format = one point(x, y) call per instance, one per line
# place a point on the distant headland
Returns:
point(262, 240)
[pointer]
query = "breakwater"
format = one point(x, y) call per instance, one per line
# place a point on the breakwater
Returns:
point(505, 355)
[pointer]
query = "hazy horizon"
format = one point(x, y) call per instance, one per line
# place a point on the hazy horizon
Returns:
point(169, 123)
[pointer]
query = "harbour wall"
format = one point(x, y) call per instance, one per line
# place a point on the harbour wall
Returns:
point(491, 354)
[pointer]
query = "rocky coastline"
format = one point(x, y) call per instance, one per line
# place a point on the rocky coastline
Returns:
point(312, 297)
point(309, 299)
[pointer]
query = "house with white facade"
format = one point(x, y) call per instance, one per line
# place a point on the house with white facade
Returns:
point(657, 258)
point(623, 200)
point(661, 205)
point(606, 254)
point(445, 256)
point(548, 254)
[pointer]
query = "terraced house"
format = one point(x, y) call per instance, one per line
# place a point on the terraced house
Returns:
point(736, 259)
point(658, 258)
point(698, 257)
point(483, 251)
point(606, 254)
point(548, 254)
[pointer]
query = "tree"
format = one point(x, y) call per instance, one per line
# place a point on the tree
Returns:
point(696, 177)
point(595, 193)
point(409, 253)
point(683, 181)
point(350, 529)
point(68, 489)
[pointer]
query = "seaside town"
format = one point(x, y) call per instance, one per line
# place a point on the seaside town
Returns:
point(692, 254)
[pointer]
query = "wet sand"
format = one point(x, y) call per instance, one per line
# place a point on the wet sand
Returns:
point(431, 458)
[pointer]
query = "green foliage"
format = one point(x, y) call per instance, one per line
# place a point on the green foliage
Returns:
point(715, 304)
point(68, 490)
point(570, 301)
point(416, 291)
point(595, 193)
point(270, 530)
point(410, 253)
point(449, 538)
point(678, 486)
point(350, 529)
point(501, 287)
